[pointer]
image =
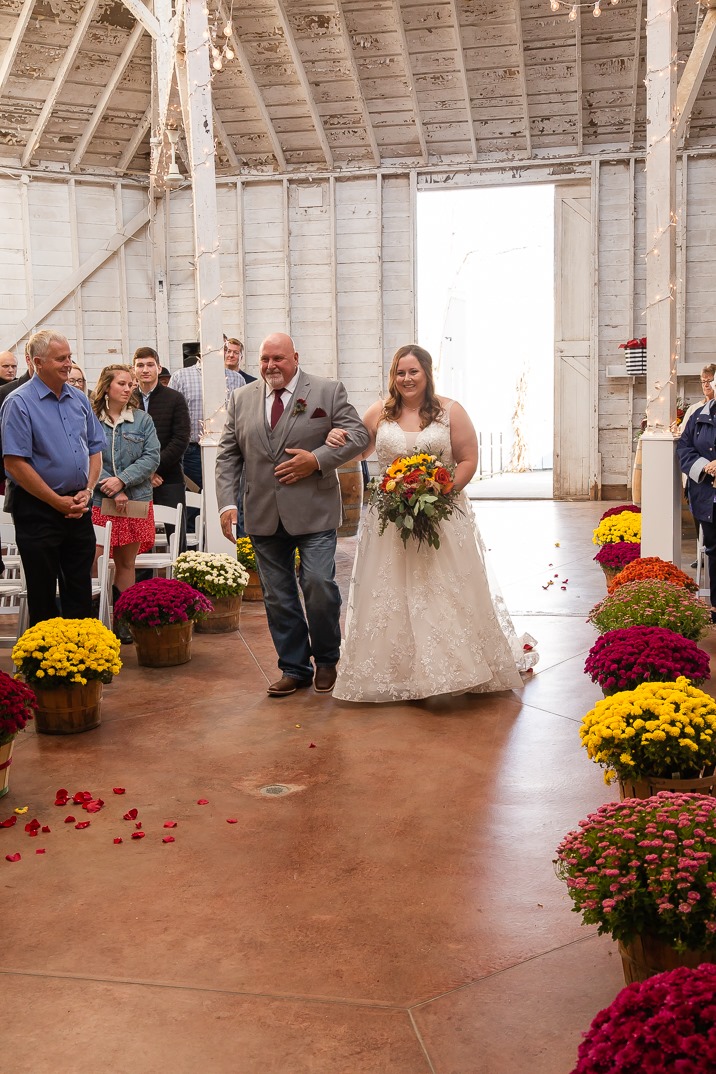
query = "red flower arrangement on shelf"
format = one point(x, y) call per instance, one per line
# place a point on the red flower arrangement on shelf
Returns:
point(658, 1026)
point(160, 601)
point(653, 567)
point(617, 555)
point(17, 705)
point(622, 659)
point(618, 510)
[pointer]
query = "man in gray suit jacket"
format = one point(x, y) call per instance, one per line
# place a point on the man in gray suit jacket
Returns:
point(276, 432)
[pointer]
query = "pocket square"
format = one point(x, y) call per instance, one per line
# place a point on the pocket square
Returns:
point(319, 413)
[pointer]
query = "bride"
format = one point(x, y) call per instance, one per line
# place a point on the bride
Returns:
point(423, 621)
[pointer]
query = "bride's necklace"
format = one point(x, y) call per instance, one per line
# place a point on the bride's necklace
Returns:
point(411, 408)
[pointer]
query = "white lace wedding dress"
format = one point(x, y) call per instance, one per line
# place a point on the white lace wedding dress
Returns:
point(423, 621)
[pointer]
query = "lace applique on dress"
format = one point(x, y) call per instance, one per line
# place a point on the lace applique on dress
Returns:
point(423, 622)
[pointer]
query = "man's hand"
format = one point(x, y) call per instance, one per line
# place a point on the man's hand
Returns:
point(301, 465)
point(228, 524)
point(157, 481)
point(336, 438)
point(73, 506)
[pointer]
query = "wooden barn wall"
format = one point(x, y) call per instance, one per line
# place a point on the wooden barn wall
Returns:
point(50, 229)
point(329, 260)
point(622, 298)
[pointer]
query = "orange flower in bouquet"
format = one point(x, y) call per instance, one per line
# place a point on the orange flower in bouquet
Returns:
point(652, 567)
point(415, 494)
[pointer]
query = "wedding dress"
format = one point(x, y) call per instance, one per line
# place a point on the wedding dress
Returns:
point(422, 621)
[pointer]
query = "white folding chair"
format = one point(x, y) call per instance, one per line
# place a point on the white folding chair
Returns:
point(158, 561)
point(196, 539)
point(13, 590)
point(102, 584)
point(702, 567)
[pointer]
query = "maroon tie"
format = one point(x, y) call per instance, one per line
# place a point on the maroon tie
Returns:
point(276, 408)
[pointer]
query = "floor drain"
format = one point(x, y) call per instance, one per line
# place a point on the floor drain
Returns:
point(275, 789)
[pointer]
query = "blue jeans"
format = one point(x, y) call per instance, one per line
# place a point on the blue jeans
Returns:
point(298, 637)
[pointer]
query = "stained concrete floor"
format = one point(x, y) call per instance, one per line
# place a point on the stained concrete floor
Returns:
point(396, 912)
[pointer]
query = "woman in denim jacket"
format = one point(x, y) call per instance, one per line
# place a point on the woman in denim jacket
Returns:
point(129, 459)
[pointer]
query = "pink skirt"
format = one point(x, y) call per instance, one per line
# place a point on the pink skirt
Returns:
point(128, 530)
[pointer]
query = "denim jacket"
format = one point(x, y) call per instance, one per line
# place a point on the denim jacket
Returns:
point(131, 453)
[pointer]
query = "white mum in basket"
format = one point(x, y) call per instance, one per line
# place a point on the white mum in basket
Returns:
point(214, 573)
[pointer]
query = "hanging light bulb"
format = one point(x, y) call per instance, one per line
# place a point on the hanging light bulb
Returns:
point(229, 53)
point(597, 10)
point(217, 64)
point(554, 4)
point(215, 52)
point(228, 29)
point(573, 13)
point(614, 3)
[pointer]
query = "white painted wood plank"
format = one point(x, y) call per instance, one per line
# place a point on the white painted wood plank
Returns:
point(11, 51)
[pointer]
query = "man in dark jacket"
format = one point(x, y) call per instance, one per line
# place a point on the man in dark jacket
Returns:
point(171, 416)
point(5, 390)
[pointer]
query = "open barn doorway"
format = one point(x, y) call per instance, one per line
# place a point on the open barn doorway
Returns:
point(486, 314)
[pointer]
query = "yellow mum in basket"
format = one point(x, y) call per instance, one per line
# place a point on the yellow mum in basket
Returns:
point(622, 527)
point(61, 651)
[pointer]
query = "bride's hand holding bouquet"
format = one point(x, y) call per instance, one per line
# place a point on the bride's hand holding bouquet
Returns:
point(416, 493)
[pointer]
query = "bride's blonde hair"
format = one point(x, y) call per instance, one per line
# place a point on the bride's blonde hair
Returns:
point(431, 410)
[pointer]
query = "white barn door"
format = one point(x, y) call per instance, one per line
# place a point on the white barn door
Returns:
point(574, 395)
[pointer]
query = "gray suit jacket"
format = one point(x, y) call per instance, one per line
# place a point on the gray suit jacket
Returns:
point(310, 505)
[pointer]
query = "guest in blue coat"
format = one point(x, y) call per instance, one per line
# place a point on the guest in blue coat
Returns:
point(696, 448)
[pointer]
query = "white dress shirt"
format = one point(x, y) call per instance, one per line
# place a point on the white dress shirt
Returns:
point(286, 396)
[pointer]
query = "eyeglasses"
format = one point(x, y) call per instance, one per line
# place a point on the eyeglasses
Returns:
point(77, 382)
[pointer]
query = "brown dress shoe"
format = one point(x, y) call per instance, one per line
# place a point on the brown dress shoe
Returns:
point(324, 680)
point(287, 685)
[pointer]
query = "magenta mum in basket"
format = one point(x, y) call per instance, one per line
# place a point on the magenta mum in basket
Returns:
point(18, 704)
point(622, 659)
point(161, 601)
point(661, 1026)
point(618, 554)
point(618, 510)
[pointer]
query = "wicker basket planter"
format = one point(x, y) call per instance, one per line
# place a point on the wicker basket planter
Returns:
point(253, 591)
point(67, 710)
point(5, 762)
point(646, 956)
point(649, 785)
point(164, 646)
point(224, 618)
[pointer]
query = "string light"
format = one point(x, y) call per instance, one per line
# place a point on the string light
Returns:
point(597, 10)
point(575, 6)
point(573, 13)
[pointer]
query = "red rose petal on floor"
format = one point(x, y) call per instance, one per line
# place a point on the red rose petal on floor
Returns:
point(83, 824)
point(70, 819)
point(40, 850)
point(118, 840)
point(62, 793)
point(12, 857)
point(202, 801)
point(8, 823)
point(563, 587)
point(119, 790)
point(170, 824)
point(32, 825)
point(138, 824)
point(138, 835)
point(312, 746)
point(232, 820)
point(82, 796)
point(169, 839)
point(94, 806)
point(32, 834)
point(131, 814)
point(555, 576)
point(46, 828)
point(61, 801)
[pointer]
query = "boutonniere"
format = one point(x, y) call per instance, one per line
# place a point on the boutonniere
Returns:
point(299, 408)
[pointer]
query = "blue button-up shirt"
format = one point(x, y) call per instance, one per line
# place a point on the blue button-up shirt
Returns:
point(56, 436)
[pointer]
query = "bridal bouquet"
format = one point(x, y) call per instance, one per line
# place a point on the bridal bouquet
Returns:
point(415, 493)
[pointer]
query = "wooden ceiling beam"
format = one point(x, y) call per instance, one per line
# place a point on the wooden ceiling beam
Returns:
point(109, 89)
point(14, 43)
point(407, 67)
point(221, 134)
point(303, 79)
point(635, 74)
point(135, 141)
point(463, 74)
point(240, 53)
point(523, 75)
point(348, 46)
point(693, 74)
point(144, 16)
point(60, 78)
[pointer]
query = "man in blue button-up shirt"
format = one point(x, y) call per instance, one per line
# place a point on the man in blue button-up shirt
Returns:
point(52, 446)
